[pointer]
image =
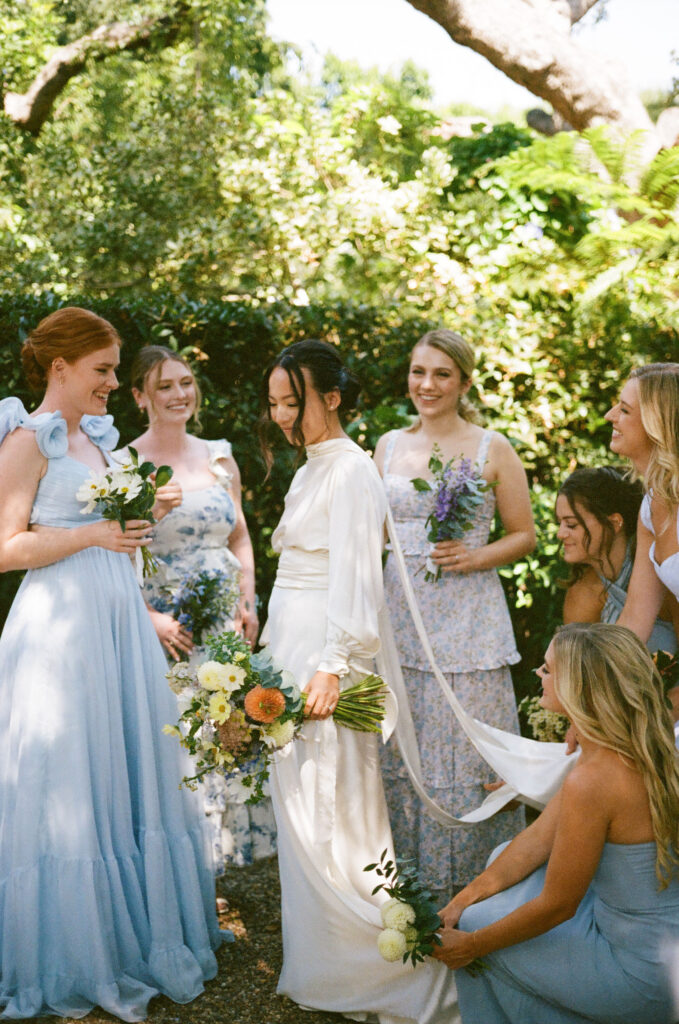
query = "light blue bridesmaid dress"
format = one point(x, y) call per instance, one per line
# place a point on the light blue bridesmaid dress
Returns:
point(106, 889)
point(615, 962)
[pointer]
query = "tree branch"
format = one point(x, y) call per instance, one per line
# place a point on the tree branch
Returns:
point(525, 39)
point(31, 109)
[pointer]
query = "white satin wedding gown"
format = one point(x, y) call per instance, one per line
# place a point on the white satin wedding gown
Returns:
point(326, 786)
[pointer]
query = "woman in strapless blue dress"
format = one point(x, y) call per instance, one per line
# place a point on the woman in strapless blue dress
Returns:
point(106, 890)
point(577, 919)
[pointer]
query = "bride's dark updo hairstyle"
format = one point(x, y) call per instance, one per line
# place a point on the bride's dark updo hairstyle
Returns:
point(327, 373)
point(69, 333)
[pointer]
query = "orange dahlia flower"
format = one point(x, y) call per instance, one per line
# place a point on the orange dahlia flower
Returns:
point(264, 704)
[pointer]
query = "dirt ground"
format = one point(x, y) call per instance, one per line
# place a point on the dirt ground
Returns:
point(244, 991)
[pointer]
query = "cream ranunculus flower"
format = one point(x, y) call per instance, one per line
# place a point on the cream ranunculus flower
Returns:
point(219, 707)
point(171, 730)
point(397, 915)
point(212, 675)
point(392, 945)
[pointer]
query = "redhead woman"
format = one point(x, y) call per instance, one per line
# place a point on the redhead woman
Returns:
point(326, 788)
point(205, 529)
point(106, 895)
point(577, 919)
point(465, 612)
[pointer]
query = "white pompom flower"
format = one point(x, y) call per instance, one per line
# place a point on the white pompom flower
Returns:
point(278, 734)
point(392, 945)
point(398, 915)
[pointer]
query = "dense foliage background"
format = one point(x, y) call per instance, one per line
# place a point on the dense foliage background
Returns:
point(207, 194)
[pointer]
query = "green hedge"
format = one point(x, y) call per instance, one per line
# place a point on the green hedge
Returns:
point(552, 410)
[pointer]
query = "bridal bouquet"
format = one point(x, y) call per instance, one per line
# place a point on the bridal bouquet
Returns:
point(202, 600)
point(126, 491)
point(458, 489)
point(410, 920)
point(240, 707)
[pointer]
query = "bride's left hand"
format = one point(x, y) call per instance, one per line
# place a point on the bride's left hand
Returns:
point(322, 695)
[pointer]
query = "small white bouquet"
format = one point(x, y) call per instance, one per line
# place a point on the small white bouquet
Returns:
point(126, 491)
point(410, 920)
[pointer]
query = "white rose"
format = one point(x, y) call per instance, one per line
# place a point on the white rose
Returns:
point(392, 945)
point(398, 915)
point(278, 734)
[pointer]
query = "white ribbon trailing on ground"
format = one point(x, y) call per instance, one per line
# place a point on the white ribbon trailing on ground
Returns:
point(532, 771)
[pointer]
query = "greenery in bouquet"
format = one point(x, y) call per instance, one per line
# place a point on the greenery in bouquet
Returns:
point(239, 707)
point(203, 600)
point(458, 490)
point(126, 491)
point(410, 920)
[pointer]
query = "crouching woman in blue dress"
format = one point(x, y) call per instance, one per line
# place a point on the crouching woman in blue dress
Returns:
point(577, 919)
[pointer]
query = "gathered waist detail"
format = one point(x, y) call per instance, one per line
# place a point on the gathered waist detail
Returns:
point(302, 570)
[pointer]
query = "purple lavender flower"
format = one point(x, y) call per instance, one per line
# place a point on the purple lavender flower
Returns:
point(458, 490)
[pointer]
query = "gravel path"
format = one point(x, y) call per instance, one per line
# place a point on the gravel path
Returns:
point(244, 991)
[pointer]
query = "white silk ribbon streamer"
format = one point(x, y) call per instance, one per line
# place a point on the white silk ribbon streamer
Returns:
point(532, 771)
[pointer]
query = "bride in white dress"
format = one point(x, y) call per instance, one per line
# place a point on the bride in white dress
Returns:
point(326, 786)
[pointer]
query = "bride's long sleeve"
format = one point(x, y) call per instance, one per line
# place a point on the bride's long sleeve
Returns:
point(356, 510)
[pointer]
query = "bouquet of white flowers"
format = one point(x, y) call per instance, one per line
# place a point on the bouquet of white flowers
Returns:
point(240, 707)
point(410, 920)
point(126, 491)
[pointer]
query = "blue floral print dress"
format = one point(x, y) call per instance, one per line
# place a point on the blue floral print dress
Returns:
point(192, 537)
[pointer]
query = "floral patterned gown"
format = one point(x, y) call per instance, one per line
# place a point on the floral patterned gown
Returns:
point(192, 537)
point(467, 620)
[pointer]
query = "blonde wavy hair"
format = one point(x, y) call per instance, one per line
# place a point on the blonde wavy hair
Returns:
point(659, 408)
point(456, 348)
point(611, 691)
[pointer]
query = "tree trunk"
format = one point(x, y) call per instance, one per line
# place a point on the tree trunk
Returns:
point(31, 109)
point(529, 40)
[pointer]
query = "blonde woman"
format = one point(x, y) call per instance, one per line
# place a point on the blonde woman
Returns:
point(645, 422)
point(577, 920)
point(465, 612)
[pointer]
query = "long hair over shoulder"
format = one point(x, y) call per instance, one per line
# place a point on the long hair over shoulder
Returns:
point(613, 694)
